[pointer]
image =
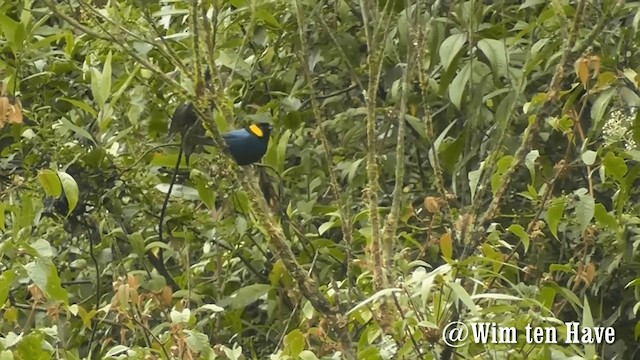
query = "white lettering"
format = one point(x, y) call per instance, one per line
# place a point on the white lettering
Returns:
point(540, 335)
point(572, 332)
point(485, 333)
point(577, 334)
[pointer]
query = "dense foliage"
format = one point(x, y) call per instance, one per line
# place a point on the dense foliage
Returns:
point(431, 162)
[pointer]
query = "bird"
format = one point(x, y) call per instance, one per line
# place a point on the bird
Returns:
point(248, 145)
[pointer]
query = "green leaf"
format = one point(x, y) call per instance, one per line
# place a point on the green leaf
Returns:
point(38, 273)
point(76, 129)
point(587, 321)
point(325, 226)
point(496, 52)
point(531, 3)
point(446, 245)
point(241, 225)
point(32, 347)
point(504, 111)
point(353, 169)
point(105, 85)
point(71, 191)
point(374, 297)
point(117, 350)
point(450, 48)
point(283, 144)
point(569, 295)
point(169, 160)
point(43, 248)
point(6, 278)
point(503, 165)
point(2, 225)
point(474, 178)
point(629, 96)
point(54, 287)
point(417, 125)
point(245, 296)
point(459, 85)
point(197, 341)
point(96, 80)
point(294, 342)
point(14, 32)
point(307, 355)
point(50, 182)
point(230, 59)
point(463, 295)
point(589, 157)
point(585, 211)
point(604, 218)
point(600, 106)
point(268, 18)
point(241, 202)
point(137, 242)
point(554, 215)
point(126, 84)
point(82, 106)
point(530, 162)
point(207, 195)
point(520, 232)
point(615, 166)
point(547, 296)
point(6, 355)
point(179, 191)
point(157, 244)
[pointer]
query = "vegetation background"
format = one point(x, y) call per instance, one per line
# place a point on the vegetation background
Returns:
point(431, 161)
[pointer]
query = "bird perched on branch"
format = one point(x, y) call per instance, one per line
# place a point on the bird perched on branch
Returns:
point(246, 146)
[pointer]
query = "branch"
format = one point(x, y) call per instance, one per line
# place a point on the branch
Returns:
point(531, 132)
point(389, 230)
point(122, 44)
point(374, 60)
point(347, 226)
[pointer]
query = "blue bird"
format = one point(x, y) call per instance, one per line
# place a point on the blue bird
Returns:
point(248, 145)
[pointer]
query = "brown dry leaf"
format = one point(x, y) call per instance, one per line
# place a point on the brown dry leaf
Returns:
point(166, 296)
point(590, 272)
point(432, 204)
point(3, 89)
point(53, 312)
point(594, 63)
point(582, 70)
point(133, 281)
point(15, 113)
point(36, 293)
point(4, 110)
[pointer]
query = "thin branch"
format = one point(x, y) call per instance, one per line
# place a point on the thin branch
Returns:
point(389, 230)
point(122, 44)
point(165, 50)
point(347, 226)
point(374, 62)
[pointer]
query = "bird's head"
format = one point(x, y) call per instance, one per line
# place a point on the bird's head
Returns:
point(261, 130)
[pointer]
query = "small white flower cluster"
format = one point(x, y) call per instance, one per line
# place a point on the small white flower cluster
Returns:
point(618, 128)
point(388, 347)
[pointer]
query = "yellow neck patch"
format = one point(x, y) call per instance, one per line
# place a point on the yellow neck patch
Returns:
point(255, 130)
